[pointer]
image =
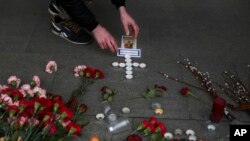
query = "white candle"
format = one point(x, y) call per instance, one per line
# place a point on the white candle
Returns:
point(115, 64)
point(128, 60)
point(135, 64)
point(129, 72)
point(142, 65)
point(125, 110)
point(129, 64)
point(128, 68)
point(127, 56)
point(129, 76)
point(122, 65)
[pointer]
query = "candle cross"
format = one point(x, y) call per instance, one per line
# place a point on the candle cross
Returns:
point(128, 65)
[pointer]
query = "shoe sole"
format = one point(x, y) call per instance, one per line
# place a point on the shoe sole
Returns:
point(52, 13)
point(78, 43)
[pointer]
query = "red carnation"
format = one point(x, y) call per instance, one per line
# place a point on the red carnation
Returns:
point(161, 128)
point(66, 113)
point(150, 129)
point(104, 89)
point(48, 125)
point(185, 91)
point(99, 74)
point(153, 120)
point(144, 124)
point(7, 91)
point(12, 110)
point(83, 108)
point(46, 115)
point(163, 88)
point(73, 129)
point(89, 72)
point(134, 137)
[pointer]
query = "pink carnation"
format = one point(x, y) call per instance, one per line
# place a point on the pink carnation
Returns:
point(3, 87)
point(14, 81)
point(40, 92)
point(26, 87)
point(37, 81)
point(30, 92)
point(22, 92)
point(7, 99)
point(78, 69)
point(51, 67)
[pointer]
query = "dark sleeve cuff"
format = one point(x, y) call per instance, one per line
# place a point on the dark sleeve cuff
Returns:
point(92, 26)
point(118, 3)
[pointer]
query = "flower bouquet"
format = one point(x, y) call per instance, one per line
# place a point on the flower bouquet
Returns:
point(28, 113)
point(153, 128)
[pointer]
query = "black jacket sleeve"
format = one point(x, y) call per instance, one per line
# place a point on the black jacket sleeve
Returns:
point(79, 12)
point(118, 3)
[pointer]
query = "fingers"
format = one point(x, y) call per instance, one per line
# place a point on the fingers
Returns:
point(126, 29)
point(112, 45)
point(136, 29)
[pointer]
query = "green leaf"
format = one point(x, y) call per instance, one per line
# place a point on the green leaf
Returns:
point(106, 96)
point(110, 99)
point(82, 121)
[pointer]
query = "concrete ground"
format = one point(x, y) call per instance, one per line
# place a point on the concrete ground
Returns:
point(213, 34)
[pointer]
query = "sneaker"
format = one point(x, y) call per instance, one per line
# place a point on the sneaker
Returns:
point(54, 9)
point(70, 31)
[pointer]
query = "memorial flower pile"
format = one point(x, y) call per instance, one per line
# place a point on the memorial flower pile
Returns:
point(153, 128)
point(28, 113)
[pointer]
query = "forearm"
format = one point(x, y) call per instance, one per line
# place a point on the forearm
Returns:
point(80, 13)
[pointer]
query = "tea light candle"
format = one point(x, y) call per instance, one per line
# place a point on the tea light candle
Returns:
point(100, 116)
point(129, 76)
point(122, 65)
point(168, 136)
point(128, 68)
point(125, 110)
point(127, 56)
point(128, 64)
point(128, 60)
point(190, 132)
point(115, 64)
point(142, 65)
point(129, 72)
point(94, 138)
point(135, 64)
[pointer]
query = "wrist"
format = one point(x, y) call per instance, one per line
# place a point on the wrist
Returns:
point(122, 9)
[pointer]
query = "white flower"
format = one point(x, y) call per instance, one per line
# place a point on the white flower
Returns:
point(51, 67)
point(14, 81)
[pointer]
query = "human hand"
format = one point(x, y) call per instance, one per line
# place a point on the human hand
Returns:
point(105, 39)
point(128, 21)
